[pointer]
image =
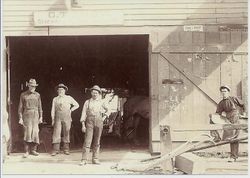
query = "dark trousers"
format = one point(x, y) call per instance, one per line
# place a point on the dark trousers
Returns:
point(94, 127)
point(229, 134)
point(234, 148)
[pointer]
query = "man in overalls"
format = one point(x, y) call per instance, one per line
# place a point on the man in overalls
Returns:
point(62, 106)
point(30, 115)
point(93, 114)
point(229, 107)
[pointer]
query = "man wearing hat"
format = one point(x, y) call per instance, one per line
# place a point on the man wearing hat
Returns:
point(30, 115)
point(62, 106)
point(94, 112)
point(229, 109)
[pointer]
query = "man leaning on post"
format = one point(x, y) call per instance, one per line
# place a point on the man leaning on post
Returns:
point(229, 108)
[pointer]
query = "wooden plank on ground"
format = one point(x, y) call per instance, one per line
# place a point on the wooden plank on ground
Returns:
point(208, 127)
point(190, 163)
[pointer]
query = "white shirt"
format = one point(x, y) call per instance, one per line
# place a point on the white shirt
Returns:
point(113, 102)
point(63, 103)
point(96, 106)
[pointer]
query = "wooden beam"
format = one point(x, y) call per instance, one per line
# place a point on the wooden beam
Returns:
point(190, 77)
point(210, 145)
point(190, 147)
point(190, 163)
point(166, 147)
point(209, 127)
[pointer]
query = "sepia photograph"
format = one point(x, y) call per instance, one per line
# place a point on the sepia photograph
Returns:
point(124, 87)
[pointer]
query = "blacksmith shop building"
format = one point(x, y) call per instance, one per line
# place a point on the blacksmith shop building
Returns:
point(176, 52)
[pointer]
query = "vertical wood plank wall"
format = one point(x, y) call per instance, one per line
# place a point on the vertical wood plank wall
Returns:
point(185, 105)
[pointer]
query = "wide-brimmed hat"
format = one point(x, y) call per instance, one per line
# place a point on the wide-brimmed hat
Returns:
point(32, 82)
point(97, 88)
point(225, 87)
point(61, 85)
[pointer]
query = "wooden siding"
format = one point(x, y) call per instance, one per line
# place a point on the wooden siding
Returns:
point(204, 61)
point(18, 14)
point(163, 20)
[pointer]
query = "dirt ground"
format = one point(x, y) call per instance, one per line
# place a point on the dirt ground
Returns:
point(69, 164)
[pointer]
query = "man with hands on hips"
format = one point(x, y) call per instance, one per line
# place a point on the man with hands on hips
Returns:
point(62, 106)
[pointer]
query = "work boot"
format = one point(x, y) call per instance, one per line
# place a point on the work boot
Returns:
point(33, 149)
point(33, 152)
point(56, 147)
point(25, 155)
point(83, 162)
point(96, 150)
point(136, 142)
point(26, 150)
point(96, 161)
point(66, 152)
point(85, 153)
point(231, 159)
point(66, 148)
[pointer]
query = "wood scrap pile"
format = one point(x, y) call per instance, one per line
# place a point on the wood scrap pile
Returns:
point(205, 141)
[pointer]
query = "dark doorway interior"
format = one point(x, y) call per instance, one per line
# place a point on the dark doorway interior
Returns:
point(119, 61)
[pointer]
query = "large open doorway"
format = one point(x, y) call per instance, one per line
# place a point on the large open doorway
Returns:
point(114, 61)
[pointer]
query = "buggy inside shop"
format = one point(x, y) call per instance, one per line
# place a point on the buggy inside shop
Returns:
point(116, 63)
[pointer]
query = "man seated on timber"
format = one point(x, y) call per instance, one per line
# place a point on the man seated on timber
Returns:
point(229, 108)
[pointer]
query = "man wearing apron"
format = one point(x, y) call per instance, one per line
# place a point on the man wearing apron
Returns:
point(93, 114)
point(30, 116)
point(231, 107)
point(62, 106)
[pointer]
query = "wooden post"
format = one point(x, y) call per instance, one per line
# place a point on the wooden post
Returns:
point(154, 97)
point(166, 147)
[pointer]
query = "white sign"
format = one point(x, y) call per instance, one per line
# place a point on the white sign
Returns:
point(77, 18)
point(193, 28)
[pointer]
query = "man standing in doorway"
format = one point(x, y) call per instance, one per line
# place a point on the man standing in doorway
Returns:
point(30, 115)
point(230, 107)
point(62, 106)
point(94, 113)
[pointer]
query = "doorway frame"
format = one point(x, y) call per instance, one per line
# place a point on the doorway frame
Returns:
point(154, 128)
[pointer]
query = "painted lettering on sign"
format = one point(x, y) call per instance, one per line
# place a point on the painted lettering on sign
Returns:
point(77, 18)
point(193, 28)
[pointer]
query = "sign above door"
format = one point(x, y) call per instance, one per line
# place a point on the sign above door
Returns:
point(78, 18)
